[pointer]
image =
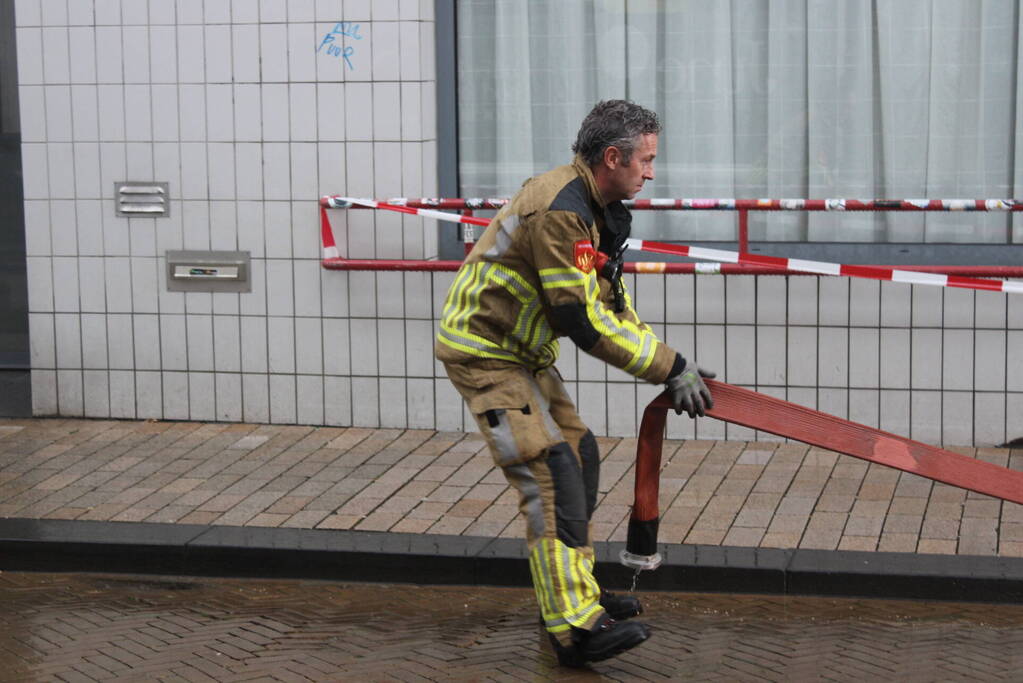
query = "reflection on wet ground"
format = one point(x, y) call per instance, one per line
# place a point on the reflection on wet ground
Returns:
point(81, 627)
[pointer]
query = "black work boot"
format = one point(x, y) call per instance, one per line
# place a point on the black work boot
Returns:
point(567, 656)
point(620, 607)
point(607, 639)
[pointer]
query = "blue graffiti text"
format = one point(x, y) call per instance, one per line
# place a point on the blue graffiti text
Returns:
point(341, 28)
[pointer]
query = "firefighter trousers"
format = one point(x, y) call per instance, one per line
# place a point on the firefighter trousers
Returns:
point(550, 457)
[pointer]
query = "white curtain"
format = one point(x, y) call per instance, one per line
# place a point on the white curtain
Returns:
point(758, 98)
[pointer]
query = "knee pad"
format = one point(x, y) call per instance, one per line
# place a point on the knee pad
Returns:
point(589, 453)
point(570, 498)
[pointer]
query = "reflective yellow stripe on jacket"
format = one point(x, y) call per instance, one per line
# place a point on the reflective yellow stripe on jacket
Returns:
point(639, 342)
point(531, 339)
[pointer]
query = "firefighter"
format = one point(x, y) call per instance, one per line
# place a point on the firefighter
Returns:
point(549, 265)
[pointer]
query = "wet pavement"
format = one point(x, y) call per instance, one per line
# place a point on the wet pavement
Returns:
point(755, 494)
point(87, 627)
point(419, 505)
point(759, 525)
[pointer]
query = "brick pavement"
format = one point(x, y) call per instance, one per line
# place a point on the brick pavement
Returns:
point(130, 628)
point(745, 494)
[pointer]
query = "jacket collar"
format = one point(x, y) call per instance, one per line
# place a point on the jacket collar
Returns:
point(583, 169)
point(617, 219)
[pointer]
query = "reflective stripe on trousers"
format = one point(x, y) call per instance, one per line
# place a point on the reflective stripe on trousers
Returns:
point(556, 499)
point(565, 588)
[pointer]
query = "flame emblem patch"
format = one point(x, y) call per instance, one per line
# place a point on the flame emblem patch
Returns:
point(585, 255)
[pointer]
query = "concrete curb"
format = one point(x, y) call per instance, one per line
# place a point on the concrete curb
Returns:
point(196, 550)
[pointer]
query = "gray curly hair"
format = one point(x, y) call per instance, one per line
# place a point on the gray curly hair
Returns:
point(613, 123)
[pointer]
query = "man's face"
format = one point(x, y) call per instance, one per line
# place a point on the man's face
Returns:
point(627, 180)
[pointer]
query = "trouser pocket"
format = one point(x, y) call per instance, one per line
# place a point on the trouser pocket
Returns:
point(510, 410)
point(514, 422)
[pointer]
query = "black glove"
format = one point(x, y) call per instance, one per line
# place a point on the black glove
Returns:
point(688, 392)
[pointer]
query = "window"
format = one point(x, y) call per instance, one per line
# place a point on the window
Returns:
point(808, 98)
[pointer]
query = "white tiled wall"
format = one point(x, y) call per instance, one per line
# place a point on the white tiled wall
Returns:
point(229, 101)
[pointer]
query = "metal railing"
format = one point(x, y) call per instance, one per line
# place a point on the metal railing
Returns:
point(432, 208)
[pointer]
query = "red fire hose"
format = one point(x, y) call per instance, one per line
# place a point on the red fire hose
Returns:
point(769, 414)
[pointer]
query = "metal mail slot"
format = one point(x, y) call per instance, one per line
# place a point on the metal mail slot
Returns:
point(208, 271)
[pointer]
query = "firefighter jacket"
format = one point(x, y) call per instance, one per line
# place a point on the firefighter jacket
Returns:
point(533, 277)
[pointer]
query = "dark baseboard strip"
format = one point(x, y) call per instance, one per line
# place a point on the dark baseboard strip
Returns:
point(194, 550)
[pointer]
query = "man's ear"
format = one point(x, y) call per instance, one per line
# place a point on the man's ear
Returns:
point(612, 157)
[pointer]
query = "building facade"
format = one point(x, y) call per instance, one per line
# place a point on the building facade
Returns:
point(249, 111)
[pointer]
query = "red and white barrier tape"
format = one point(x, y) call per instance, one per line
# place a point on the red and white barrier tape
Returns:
point(799, 265)
point(335, 202)
point(828, 204)
point(698, 204)
point(822, 268)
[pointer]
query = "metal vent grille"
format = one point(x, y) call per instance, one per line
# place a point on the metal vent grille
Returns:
point(142, 199)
